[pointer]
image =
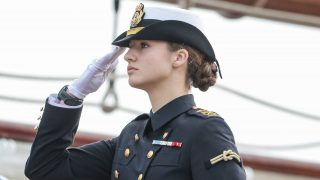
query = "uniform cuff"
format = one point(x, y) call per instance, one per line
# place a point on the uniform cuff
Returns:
point(54, 101)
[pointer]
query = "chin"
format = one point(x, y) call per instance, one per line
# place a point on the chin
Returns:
point(138, 84)
point(135, 84)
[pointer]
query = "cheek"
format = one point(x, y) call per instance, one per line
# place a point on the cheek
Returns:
point(151, 73)
point(160, 64)
point(152, 69)
point(158, 68)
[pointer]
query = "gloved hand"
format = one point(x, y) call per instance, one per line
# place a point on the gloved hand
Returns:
point(94, 76)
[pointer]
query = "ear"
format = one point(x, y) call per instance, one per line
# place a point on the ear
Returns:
point(181, 58)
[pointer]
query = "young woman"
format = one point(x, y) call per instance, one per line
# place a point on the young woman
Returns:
point(168, 53)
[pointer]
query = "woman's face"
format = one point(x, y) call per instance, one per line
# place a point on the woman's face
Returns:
point(149, 63)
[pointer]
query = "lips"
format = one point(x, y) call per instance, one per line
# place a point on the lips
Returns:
point(131, 69)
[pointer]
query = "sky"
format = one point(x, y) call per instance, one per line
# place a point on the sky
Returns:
point(273, 61)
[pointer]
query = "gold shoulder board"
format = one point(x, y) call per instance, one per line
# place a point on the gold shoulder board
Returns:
point(205, 112)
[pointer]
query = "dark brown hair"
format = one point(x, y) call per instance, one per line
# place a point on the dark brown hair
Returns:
point(200, 74)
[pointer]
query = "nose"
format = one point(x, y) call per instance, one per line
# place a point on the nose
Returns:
point(129, 56)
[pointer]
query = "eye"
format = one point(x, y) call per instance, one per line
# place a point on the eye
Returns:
point(130, 45)
point(144, 45)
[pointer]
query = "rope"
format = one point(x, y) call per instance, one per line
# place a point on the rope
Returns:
point(27, 100)
point(41, 78)
point(282, 147)
point(245, 96)
point(269, 104)
point(224, 88)
point(49, 78)
point(110, 99)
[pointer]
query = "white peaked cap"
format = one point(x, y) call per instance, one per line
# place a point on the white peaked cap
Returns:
point(173, 14)
point(168, 24)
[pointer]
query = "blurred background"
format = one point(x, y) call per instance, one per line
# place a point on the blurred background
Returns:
point(268, 51)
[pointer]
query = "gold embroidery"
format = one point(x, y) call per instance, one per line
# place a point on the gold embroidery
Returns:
point(205, 112)
point(137, 16)
point(134, 30)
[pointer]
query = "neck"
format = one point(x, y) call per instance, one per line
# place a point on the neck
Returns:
point(158, 103)
point(161, 96)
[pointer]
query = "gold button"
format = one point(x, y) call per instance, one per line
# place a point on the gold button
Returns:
point(36, 127)
point(140, 176)
point(116, 174)
point(136, 137)
point(165, 135)
point(39, 117)
point(127, 152)
point(150, 154)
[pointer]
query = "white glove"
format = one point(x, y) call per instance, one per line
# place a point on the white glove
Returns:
point(94, 76)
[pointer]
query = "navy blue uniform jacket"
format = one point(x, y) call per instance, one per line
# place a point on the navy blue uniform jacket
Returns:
point(143, 150)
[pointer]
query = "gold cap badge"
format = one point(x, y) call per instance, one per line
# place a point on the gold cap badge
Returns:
point(137, 16)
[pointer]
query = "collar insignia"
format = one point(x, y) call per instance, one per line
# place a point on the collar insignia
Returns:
point(137, 16)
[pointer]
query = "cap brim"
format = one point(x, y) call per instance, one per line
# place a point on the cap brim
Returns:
point(122, 40)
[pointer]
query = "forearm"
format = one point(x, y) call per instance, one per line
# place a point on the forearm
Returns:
point(56, 132)
point(49, 157)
